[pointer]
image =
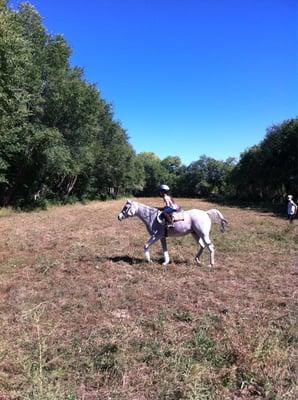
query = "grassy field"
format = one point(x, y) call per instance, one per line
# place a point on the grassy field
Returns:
point(83, 317)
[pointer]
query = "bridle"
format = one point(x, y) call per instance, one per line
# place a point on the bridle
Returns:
point(126, 211)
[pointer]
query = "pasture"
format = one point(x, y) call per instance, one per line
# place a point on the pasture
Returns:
point(84, 317)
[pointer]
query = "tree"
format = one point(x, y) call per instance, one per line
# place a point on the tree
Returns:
point(57, 135)
point(19, 100)
point(206, 177)
point(155, 173)
point(269, 170)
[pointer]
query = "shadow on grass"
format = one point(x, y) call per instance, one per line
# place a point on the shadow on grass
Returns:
point(124, 259)
point(142, 261)
point(138, 261)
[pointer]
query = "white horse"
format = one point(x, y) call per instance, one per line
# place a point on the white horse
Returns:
point(195, 222)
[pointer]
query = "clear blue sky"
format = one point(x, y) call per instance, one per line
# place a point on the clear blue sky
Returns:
point(186, 77)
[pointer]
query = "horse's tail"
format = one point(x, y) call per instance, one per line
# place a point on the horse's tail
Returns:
point(217, 217)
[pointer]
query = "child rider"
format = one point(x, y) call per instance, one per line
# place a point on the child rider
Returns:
point(170, 207)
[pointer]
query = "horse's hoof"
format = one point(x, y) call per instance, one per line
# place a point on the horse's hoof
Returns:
point(210, 265)
point(165, 263)
point(198, 262)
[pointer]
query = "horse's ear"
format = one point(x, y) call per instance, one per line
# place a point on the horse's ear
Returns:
point(128, 201)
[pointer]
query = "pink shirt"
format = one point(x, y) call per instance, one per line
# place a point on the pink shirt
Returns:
point(169, 202)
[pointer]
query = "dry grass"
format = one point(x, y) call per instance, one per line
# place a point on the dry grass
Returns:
point(83, 317)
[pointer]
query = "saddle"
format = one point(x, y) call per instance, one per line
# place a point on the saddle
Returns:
point(176, 217)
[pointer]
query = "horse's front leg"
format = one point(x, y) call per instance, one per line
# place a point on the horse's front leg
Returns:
point(165, 251)
point(149, 243)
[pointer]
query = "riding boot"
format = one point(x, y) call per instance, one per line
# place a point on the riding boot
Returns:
point(169, 220)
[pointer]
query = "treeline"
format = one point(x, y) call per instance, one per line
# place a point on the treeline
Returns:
point(59, 140)
point(58, 137)
point(264, 172)
point(269, 170)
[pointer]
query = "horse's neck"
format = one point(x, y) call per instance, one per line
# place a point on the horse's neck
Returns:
point(146, 214)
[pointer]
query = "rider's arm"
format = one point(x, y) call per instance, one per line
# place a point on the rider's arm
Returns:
point(167, 200)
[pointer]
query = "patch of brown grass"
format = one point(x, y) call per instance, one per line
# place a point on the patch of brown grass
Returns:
point(84, 317)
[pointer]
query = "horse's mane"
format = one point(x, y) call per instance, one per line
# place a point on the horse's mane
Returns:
point(149, 208)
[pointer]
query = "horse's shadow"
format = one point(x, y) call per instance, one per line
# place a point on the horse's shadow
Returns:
point(136, 261)
point(123, 259)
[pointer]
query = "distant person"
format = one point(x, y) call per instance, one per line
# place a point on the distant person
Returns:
point(291, 208)
point(171, 206)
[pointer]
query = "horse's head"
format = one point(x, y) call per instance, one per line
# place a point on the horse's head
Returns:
point(129, 209)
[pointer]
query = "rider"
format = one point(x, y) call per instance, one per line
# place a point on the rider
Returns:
point(292, 208)
point(171, 206)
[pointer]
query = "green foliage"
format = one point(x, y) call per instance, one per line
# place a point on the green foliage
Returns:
point(154, 171)
point(206, 177)
point(57, 135)
point(268, 171)
point(59, 140)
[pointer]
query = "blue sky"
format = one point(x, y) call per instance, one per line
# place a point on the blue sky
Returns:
point(186, 77)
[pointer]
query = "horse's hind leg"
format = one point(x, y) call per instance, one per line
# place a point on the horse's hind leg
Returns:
point(210, 247)
point(201, 248)
point(204, 241)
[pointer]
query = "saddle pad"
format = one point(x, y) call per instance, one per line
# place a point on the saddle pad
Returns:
point(178, 216)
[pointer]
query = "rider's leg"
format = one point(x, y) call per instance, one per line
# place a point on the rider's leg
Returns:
point(169, 219)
